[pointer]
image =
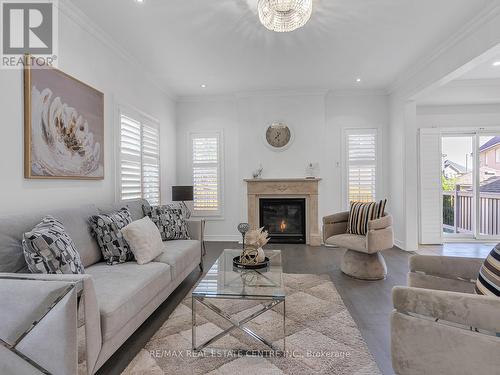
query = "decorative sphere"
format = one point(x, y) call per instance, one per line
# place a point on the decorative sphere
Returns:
point(243, 227)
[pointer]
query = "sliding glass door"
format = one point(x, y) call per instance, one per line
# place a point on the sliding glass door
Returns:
point(457, 185)
point(489, 186)
point(470, 185)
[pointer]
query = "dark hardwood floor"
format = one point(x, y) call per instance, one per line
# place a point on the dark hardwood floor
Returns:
point(368, 302)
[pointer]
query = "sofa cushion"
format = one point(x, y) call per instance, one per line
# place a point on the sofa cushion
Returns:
point(180, 254)
point(488, 280)
point(124, 289)
point(75, 221)
point(349, 241)
point(134, 206)
point(169, 220)
point(49, 249)
point(361, 213)
point(144, 240)
point(107, 229)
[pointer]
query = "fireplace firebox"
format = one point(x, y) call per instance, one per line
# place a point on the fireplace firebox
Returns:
point(284, 219)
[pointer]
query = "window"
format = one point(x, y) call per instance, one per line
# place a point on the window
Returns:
point(139, 159)
point(497, 155)
point(206, 168)
point(361, 165)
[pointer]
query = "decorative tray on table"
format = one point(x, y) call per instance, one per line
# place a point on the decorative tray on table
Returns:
point(251, 266)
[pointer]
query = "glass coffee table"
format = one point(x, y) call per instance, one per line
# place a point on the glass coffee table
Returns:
point(224, 281)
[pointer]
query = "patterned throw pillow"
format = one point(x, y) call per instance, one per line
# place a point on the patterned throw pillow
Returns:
point(49, 249)
point(107, 230)
point(169, 220)
point(361, 213)
point(488, 280)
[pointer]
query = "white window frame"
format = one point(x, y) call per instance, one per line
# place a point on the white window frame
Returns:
point(209, 215)
point(345, 162)
point(141, 118)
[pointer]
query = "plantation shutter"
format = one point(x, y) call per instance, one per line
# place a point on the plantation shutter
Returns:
point(430, 187)
point(206, 174)
point(139, 159)
point(361, 145)
point(130, 159)
point(151, 163)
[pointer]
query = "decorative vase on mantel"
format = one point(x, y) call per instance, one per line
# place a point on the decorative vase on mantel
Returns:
point(312, 170)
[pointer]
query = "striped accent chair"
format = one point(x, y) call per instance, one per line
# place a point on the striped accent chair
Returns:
point(364, 231)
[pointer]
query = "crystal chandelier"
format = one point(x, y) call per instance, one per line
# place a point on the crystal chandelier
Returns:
point(284, 15)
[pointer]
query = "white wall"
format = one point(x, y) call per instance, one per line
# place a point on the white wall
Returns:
point(317, 119)
point(407, 119)
point(475, 43)
point(88, 58)
point(219, 113)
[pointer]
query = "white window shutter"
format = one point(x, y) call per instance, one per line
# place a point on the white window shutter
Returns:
point(431, 231)
point(130, 159)
point(206, 174)
point(361, 168)
point(151, 163)
point(139, 159)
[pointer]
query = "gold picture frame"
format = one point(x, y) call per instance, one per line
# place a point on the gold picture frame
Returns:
point(63, 126)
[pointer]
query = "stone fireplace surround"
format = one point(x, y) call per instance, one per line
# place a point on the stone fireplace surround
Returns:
point(286, 188)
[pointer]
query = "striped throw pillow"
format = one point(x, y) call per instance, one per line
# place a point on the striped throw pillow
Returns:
point(488, 280)
point(361, 213)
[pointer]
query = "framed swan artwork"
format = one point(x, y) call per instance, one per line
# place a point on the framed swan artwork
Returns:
point(63, 126)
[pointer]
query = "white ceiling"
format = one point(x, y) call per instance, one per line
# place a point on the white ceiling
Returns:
point(484, 71)
point(480, 85)
point(220, 43)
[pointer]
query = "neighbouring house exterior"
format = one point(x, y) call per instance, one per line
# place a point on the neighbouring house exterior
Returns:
point(489, 154)
point(452, 169)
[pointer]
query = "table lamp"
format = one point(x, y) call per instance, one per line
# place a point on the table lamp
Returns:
point(183, 194)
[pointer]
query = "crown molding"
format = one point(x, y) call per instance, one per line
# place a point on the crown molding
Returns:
point(359, 92)
point(434, 109)
point(205, 98)
point(483, 82)
point(86, 23)
point(488, 13)
point(285, 92)
point(252, 94)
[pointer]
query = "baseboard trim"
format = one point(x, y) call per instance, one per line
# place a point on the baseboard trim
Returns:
point(399, 244)
point(222, 238)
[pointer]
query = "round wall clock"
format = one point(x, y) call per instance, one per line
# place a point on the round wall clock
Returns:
point(278, 136)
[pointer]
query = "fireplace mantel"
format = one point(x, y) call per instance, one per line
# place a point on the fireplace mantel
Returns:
point(286, 187)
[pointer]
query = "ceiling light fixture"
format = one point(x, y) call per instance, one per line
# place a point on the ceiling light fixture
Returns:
point(203, 86)
point(139, 1)
point(496, 63)
point(358, 80)
point(284, 15)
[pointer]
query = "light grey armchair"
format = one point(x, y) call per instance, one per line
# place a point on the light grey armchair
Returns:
point(362, 259)
point(438, 326)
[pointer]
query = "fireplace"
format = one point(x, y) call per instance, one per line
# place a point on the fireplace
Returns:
point(284, 219)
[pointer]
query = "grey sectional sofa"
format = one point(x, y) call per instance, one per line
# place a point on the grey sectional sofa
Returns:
point(118, 298)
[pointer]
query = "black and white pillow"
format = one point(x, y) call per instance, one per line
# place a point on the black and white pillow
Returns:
point(107, 230)
point(361, 213)
point(49, 249)
point(488, 280)
point(169, 220)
